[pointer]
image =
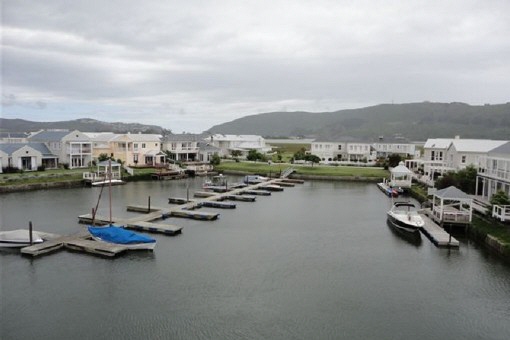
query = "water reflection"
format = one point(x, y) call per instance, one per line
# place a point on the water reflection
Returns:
point(411, 238)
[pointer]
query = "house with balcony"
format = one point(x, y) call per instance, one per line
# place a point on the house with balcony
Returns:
point(26, 156)
point(241, 143)
point(329, 151)
point(135, 149)
point(182, 147)
point(442, 155)
point(71, 147)
point(397, 145)
point(494, 172)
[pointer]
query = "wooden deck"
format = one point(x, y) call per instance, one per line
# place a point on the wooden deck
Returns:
point(436, 234)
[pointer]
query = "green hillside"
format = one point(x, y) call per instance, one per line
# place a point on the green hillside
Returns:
point(417, 121)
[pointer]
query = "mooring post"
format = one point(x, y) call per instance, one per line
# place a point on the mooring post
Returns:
point(149, 205)
point(30, 232)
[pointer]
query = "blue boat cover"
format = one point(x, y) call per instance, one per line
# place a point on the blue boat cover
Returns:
point(119, 235)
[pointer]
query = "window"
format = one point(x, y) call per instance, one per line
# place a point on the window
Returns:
point(463, 159)
point(143, 145)
point(339, 147)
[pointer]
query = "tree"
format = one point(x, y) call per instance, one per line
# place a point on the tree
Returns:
point(312, 158)
point(499, 198)
point(215, 159)
point(254, 155)
point(103, 157)
point(300, 154)
point(236, 153)
point(394, 159)
point(464, 179)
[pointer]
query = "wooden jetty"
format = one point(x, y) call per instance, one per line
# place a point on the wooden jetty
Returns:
point(95, 247)
point(202, 194)
point(257, 192)
point(216, 204)
point(242, 198)
point(436, 234)
point(178, 200)
point(195, 215)
point(271, 187)
point(155, 228)
point(80, 241)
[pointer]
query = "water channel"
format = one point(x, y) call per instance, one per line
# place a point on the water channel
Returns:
point(317, 261)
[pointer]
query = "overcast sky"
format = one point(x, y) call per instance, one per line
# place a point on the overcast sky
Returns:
point(188, 65)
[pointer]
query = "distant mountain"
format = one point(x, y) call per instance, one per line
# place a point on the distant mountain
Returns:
point(416, 121)
point(84, 125)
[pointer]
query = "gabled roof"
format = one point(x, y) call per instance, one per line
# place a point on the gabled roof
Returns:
point(49, 135)
point(451, 193)
point(503, 149)
point(476, 145)
point(438, 143)
point(9, 148)
point(184, 137)
point(204, 146)
point(401, 169)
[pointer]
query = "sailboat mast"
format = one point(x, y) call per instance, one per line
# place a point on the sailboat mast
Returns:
point(110, 187)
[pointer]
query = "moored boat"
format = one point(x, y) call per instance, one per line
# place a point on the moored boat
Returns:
point(120, 236)
point(404, 216)
point(254, 179)
point(18, 238)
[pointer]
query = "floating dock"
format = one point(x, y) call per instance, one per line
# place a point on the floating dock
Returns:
point(257, 192)
point(155, 228)
point(216, 204)
point(436, 234)
point(195, 215)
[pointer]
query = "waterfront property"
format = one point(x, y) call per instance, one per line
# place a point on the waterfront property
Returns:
point(452, 206)
point(73, 148)
point(26, 156)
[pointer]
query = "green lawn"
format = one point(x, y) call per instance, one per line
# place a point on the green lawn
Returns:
point(494, 228)
point(317, 170)
point(55, 175)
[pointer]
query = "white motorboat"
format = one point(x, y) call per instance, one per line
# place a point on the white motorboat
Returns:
point(255, 179)
point(404, 216)
point(18, 238)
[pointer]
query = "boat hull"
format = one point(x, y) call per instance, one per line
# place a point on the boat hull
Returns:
point(18, 239)
point(403, 225)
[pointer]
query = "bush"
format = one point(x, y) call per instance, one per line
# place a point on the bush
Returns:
point(10, 170)
point(41, 168)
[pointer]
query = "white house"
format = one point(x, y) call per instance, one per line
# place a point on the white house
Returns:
point(442, 155)
point(242, 143)
point(344, 149)
point(71, 147)
point(26, 156)
point(182, 147)
point(385, 146)
point(494, 172)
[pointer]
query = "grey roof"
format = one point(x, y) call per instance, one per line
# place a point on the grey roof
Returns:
point(204, 146)
point(184, 137)
point(49, 136)
point(9, 148)
point(502, 149)
point(452, 193)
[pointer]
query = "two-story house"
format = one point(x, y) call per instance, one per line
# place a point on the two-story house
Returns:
point(72, 147)
point(182, 147)
point(241, 143)
point(344, 149)
point(135, 149)
point(494, 172)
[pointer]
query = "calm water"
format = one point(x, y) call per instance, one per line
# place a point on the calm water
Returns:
point(317, 261)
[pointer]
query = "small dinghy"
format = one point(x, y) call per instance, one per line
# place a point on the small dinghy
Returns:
point(18, 238)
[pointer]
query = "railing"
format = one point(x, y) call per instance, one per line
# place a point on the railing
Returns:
point(94, 176)
point(501, 212)
point(452, 216)
point(497, 174)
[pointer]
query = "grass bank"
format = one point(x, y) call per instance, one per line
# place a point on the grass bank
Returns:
point(306, 170)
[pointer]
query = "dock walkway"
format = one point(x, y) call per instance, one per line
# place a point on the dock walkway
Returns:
point(436, 234)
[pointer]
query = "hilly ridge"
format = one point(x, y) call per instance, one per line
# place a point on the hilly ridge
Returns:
point(417, 121)
point(83, 124)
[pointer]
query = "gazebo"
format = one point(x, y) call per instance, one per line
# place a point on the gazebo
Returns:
point(401, 176)
point(452, 206)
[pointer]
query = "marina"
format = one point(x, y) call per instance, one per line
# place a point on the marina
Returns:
point(303, 257)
